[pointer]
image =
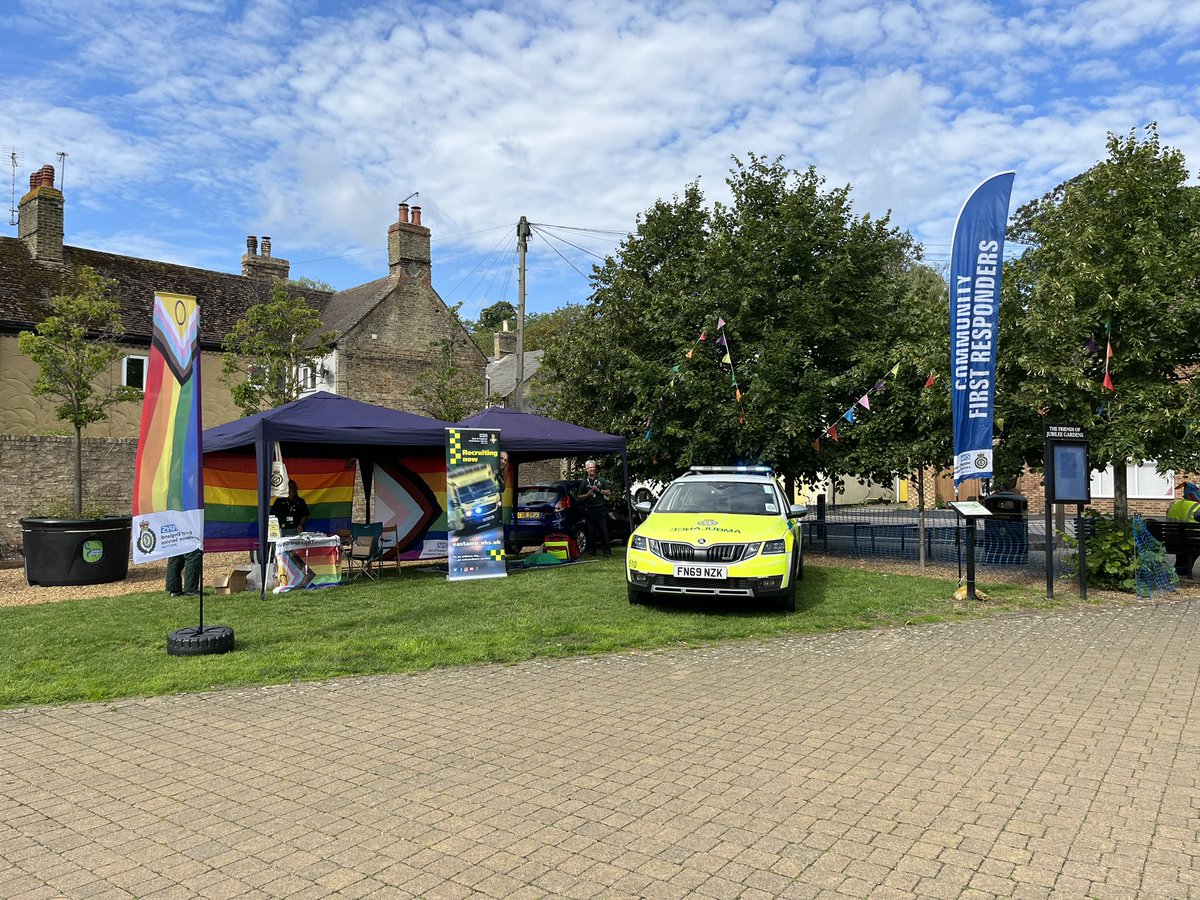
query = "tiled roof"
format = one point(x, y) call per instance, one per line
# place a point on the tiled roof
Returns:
point(347, 308)
point(26, 288)
point(503, 372)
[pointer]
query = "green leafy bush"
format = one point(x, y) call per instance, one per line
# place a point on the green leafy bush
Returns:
point(1115, 558)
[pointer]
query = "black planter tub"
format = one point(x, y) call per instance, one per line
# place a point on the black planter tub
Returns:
point(75, 551)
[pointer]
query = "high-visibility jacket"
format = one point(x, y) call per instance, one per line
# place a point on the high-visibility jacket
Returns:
point(1184, 511)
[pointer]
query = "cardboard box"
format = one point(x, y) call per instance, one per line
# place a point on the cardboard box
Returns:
point(234, 582)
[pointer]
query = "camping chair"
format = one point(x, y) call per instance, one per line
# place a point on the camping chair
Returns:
point(364, 550)
point(389, 542)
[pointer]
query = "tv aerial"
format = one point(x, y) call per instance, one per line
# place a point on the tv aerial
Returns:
point(16, 156)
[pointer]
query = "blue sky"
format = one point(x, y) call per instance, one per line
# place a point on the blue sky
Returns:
point(193, 123)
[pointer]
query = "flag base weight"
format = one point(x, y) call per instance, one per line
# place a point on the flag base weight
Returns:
point(201, 641)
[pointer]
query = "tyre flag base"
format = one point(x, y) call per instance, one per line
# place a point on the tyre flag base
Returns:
point(200, 641)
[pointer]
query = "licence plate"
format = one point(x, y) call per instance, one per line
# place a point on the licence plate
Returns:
point(693, 571)
point(528, 515)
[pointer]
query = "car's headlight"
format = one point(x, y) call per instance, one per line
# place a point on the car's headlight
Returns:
point(779, 546)
point(656, 548)
point(639, 542)
point(751, 550)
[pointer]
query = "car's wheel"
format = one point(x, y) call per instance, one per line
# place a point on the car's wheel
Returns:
point(581, 539)
point(635, 597)
point(789, 599)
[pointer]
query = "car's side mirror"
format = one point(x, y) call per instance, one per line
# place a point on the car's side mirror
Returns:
point(798, 510)
point(644, 507)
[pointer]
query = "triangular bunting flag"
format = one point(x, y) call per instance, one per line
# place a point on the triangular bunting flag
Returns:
point(721, 341)
point(864, 402)
point(1108, 356)
point(816, 445)
point(833, 432)
point(648, 435)
point(848, 415)
point(703, 336)
point(929, 382)
point(879, 386)
point(738, 391)
point(674, 368)
point(726, 359)
point(689, 354)
point(720, 322)
point(892, 372)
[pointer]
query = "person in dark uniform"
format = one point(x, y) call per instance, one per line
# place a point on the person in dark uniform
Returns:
point(291, 511)
point(593, 494)
point(183, 574)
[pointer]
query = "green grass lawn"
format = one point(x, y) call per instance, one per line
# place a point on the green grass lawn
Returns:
point(116, 647)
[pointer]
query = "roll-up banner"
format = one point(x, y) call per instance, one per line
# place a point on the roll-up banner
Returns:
point(473, 503)
point(976, 258)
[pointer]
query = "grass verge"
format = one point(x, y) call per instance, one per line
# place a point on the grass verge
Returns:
point(114, 647)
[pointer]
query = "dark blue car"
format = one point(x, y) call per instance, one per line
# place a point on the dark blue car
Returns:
point(554, 508)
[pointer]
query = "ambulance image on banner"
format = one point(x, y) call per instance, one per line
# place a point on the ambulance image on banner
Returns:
point(474, 499)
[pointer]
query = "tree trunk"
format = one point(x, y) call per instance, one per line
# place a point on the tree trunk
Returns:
point(1120, 491)
point(78, 471)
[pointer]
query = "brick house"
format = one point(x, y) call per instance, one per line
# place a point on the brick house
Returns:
point(387, 332)
point(384, 329)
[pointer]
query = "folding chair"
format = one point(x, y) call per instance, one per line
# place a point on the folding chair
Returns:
point(389, 541)
point(364, 550)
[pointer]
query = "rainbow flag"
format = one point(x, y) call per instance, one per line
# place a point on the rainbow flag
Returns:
point(308, 567)
point(410, 493)
point(168, 481)
point(231, 497)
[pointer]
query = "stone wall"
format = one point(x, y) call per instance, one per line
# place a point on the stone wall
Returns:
point(36, 472)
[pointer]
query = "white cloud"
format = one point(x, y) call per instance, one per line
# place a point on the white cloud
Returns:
point(310, 120)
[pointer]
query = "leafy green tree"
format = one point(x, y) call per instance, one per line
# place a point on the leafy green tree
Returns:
point(73, 347)
point(808, 291)
point(542, 328)
point(908, 426)
point(311, 284)
point(266, 348)
point(1118, 248)
point(447, 391)
point(491, 318)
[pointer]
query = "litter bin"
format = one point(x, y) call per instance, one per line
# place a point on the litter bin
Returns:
point(1006, 531)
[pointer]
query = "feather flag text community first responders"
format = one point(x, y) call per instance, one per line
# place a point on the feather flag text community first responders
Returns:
point(168, 487)
point(976, 258)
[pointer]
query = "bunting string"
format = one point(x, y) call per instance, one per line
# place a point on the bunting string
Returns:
point(850, 417)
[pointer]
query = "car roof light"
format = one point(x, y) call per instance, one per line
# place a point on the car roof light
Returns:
point(729, 470)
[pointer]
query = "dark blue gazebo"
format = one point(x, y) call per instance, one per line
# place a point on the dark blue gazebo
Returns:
point(322, 424)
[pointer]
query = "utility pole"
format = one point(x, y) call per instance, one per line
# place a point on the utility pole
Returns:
point(522, 246)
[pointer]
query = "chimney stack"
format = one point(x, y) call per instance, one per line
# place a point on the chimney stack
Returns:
point(264, 267)
point(504, 341)
point(40, 218)
point(408, 245)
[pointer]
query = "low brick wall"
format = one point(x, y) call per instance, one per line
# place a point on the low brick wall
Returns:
point(36, 472)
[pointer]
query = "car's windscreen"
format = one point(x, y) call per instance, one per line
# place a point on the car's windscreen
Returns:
point(736, 497)
point(537, 496)
point(477, 490)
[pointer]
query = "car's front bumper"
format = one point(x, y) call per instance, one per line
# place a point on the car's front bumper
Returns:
point(762, 576)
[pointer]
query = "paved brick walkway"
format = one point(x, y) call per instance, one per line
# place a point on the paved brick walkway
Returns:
point(1027, 756)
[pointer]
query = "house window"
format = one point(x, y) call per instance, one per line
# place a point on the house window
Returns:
point(307, 377)
point(133, 372)
point(1145, 482)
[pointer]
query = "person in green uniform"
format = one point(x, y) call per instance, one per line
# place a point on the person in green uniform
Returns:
point(593, 494)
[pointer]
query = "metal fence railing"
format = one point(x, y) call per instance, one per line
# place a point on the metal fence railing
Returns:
point(1016, 545)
